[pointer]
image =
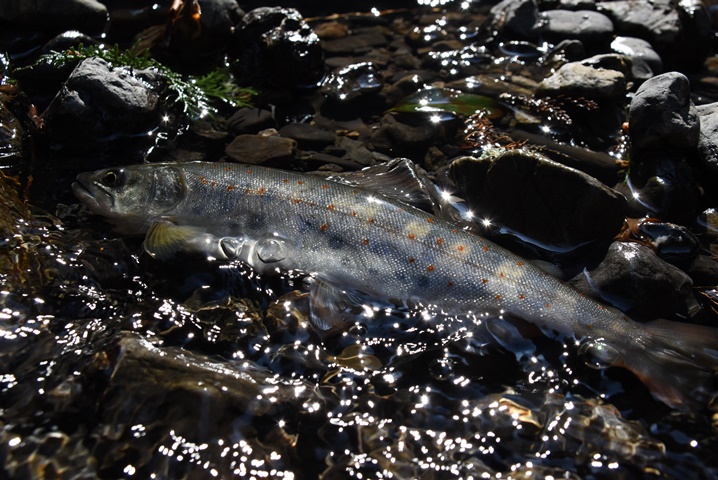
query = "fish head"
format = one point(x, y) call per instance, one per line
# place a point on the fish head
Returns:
point(132, 197)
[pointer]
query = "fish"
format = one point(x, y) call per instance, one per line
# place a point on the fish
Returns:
point(355, 238)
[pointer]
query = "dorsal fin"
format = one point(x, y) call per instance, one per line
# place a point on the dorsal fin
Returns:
point(399, 179)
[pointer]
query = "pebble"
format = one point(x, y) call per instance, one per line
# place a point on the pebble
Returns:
point(308, 137)
point(640, 52)
point(261, 149)
point(708, 139)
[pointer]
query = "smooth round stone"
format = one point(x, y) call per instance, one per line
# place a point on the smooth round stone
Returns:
point(579, 80)
point(590, 28)
point(662, 114)
point(638, 49)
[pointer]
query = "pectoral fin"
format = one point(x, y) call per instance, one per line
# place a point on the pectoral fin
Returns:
point(329, 304)
point(164, 239)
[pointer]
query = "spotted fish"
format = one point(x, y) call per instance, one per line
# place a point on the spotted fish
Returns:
point(357, 241)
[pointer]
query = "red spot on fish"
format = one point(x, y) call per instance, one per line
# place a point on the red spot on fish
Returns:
point(486, 248)
point(249, 171)
point(430, 220)
point(365, 241)
point(520, 264)
point(325, 186)
point(228, 169)
point(430, 268)
point(412, 259)
point(247, 191)
point(450, 284)
point(323, 228)
point(439, 241)
point(330, 207)
point(297, 200)
point(498, 297)
point(411, 236)
point(461, 248)
point(203, 179)
point(371, 220)
point(214, 184)
point(285, 180)
point(261, 190)
point(299, 182)
point(354, 213)
point(548, 305)
point(455, 231)
point(601, 307)
point(230, 187)
point(502, 275)
point(484, 280)
point(521, 296)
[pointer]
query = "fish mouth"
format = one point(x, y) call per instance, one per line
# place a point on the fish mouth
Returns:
point(87, 192)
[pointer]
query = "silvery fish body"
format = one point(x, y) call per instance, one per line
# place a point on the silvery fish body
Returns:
point(354, 239)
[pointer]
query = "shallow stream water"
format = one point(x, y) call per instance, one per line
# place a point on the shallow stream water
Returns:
point(116, 365)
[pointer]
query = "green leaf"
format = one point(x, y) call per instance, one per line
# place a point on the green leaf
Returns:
point(448, 100)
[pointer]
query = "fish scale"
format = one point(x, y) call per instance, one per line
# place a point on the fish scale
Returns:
point(353, 239)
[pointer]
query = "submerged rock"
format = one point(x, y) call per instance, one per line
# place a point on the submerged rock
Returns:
point(632, 278)
point(349, 82)
point(100, 103)
point(551, 204)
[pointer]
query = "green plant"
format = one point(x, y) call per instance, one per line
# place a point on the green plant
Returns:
point(196, 94)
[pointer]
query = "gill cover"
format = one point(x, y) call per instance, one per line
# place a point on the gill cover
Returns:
point(168, 187)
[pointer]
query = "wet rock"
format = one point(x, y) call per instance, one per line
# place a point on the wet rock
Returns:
point(278, 46)
point(593, 29)
point(672, 243)
point(360, 42)
point(554, 205)
point(395, 137)
point(308, 137)
point(88, 16)
point(662, 115)
point(708, 138)
point(680, 35)
point(331, 30)
point(646, 62)
point(516, 18)
point(99, 103)
point(662, 186)
point(632, 278)
point(12, 134)
point(260, 149)
point(202, 43)
point(349, 82)
point(576, 79)
point(250, 120)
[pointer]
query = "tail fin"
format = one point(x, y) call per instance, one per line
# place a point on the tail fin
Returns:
point(676, 361)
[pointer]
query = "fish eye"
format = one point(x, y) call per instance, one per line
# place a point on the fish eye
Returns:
point(112, 178)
